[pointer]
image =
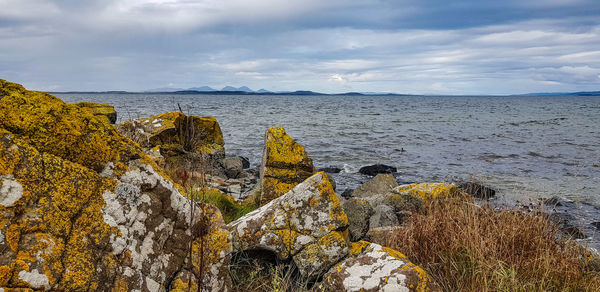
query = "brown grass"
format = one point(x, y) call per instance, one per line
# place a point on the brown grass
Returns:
point(465, 247)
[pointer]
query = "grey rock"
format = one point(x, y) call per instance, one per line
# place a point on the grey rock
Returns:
point(379, 185)
point(383, 215)
point(233, 166)
point(359, 212)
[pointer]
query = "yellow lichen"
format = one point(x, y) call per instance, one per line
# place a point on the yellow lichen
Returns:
point(427, 191)
point(358, 247)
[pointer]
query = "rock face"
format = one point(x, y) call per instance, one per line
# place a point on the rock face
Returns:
point(284, 164)
point(175, 133)
point(373, 170)
point(359, 212)
point(307, 225)
point(375, 268)
point(83, 208)
point(100, 110)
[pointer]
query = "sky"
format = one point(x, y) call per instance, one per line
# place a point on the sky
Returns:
point(403, 46)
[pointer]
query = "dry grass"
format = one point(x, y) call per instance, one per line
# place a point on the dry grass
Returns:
point(465, 247)
point(262, 272)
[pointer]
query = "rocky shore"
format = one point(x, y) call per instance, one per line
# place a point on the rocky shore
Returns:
point(155, 204)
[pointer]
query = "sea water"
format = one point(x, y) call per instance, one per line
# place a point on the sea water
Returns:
point(524, 147)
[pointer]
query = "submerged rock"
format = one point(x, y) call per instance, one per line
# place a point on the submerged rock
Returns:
point(331, 169)
point(306, 225)
point(373, 170)
point(100, 110)
point(83, 208)
point(372, 267)
point(284, 164)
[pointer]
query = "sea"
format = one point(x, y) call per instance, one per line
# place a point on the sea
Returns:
point(525, 147)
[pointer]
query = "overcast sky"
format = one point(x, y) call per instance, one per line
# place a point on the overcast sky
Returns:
point(403, 46)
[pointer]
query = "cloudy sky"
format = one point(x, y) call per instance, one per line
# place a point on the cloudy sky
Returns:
point(403, 46)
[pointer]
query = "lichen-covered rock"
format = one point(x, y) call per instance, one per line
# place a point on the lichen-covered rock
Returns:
point(307, 224)
point(82, 208)
point(284, 164)
point(359, 212)
point(383, 215)
point(375, 268)
point(427, 191)
point(64, 130)
point(380, 185)
point(175, 133)
point(101, 110)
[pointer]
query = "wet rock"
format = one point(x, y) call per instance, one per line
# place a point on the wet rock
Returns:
point(477, 190)
point(347, 193)
point(596, 224)
point(565, 222)
point(427, 191)
point(331, 169)
point(359, 212)
point(375, 268)
point(306, 225)
point(380, 185)
point(559, 202)
point(383, 216)
point(100, 110)
point(83, 208)
point(284, 164)
point(373, 170)
point(233, 166)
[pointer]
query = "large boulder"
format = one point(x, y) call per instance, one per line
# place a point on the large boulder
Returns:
point(83, 208)
point(372, 267)
point(284, 164)
point(359, 212)
point(373, 170)
point(100, 110)
point(175, 133)
point(428, 191)
point(306, 225)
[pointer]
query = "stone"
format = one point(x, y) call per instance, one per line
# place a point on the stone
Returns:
point(284, 165)
point(358, 212)
point(306, 225)
point(596, 224)
point(331, 169)
point(372, 267)
point(84, 208)
point(383, 215)
point(245, 162)
point(380, 185)
point(175, 133)
point(347, 193)
point(373, 170)
point(233, 166)
point(477, 190)
point(100, 110)
point(428, 191)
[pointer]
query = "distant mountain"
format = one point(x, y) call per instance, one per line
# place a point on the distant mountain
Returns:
point(231, 88)
point(262, 90)
point(203, 88)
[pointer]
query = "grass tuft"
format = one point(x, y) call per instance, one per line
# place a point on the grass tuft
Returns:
point(465, 247)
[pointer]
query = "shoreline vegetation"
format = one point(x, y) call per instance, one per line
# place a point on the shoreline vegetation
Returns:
point(155, 204)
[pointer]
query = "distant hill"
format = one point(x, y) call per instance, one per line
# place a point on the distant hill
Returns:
point(203, 88)
point(579, 93)
point(242, 89)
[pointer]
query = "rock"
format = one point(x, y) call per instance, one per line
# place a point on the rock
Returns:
point(306, 225)
point(284, 164)
point(383, 216)
point(175, 133)
point(358, 211)
point(331, 169)
point(375, 268)
point(565, 224)
point(427, 191)
point(559, 202)
point(100, 110)
point(596, 224)
point(373, 170)
point(347, 193)
point(381, 235)
point(233, 166)
point(381, 184)
point(245, 162)
point(83, 208)
point(477, 190)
